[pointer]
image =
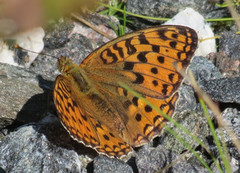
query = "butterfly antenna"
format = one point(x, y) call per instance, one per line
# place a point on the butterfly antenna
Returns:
point(40, 53)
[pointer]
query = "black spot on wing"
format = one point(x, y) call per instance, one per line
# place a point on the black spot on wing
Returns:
point(111, 134)
point(179, 55)
point(130, 48)
point(173, 44)
point(125, 92)
point(138, 117)
point(84, 117)
point(60, 95)
point(182, 31)
point(148, 108)
point(143, 39)
point(98, 125)
point(156, 118)
point(119, 49)
point(110, 54)
point(156, 48)
point(161, 34)
point(106, 137)
point(142, 57)
point(135, 101)
point(160, 59)
point(80, 122)
point(126, 104)
point(154, 70)
point(155, 83)
point(170, 77)
point(128, 65)
point(165, 89)
point(175, 35)
point(139, 78)
point(146, 127)
point(162, 106)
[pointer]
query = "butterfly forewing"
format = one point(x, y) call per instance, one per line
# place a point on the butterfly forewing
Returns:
point(107, 117)
point(148, 60)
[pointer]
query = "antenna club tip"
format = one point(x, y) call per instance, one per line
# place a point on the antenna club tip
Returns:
point(16, 46)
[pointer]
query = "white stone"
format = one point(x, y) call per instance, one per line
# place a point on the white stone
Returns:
point(31, 40)
point(194, 20)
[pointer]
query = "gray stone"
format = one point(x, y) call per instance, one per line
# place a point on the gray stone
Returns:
point(187, 100)
point(204, 69)
point(229, 43)
point(167, 9)
point(223, 90)
point(234, 165)
point(158, 159)
point(232, 118)
point(194, 122)
point(151, 159)
point(228, 66)
point(21, 96)
point(103, 164)
point(41, 147)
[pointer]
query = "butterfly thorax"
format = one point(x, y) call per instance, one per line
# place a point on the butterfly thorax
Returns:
point(73, 72)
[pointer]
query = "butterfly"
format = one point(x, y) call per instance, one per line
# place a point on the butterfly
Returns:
point(98, 112)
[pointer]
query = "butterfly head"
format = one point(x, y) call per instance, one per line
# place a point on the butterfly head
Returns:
point(65, 64)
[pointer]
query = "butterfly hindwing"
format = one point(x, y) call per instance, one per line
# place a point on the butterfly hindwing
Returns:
point(141, 122)
point(83, 126)
point(71, 115)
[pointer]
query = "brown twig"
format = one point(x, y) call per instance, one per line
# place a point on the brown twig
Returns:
point(76, 16)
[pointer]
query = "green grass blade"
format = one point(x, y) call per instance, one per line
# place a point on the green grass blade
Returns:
point(220, 19)
point(113, 27)
point(127, 20)
point(221, 152)
point(124, 19)
point(161, 19)
point(135, 15)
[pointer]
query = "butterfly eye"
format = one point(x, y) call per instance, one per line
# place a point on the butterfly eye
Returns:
point(64, 64)
point(61, 64)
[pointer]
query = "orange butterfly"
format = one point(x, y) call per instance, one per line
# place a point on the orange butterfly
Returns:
point(99, 113)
